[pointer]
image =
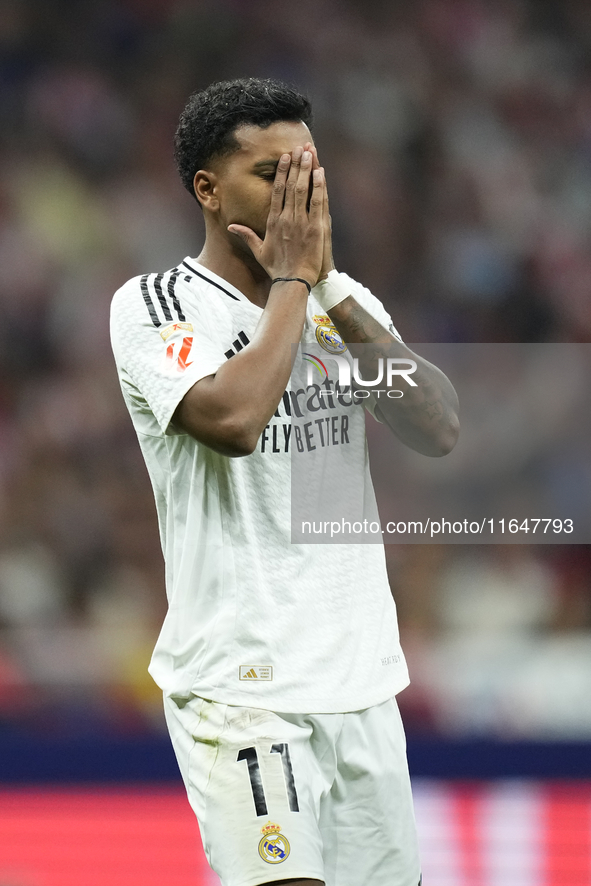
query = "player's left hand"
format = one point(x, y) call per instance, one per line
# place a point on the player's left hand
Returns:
point(327, 259)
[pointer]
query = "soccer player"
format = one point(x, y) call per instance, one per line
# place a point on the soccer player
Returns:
point(279, 662)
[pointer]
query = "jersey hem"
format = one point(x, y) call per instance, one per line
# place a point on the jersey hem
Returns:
point(317, 706)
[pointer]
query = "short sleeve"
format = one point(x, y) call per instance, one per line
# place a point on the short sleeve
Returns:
point(162, 347)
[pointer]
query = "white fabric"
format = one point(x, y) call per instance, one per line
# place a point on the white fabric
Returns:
point(319, 618)
point(331, 291)
point(334, 786)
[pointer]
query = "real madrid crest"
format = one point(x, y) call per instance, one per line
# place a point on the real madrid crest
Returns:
point(328, 336)
point(274, 847)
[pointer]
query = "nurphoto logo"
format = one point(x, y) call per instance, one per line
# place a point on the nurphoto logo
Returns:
point(387, 368)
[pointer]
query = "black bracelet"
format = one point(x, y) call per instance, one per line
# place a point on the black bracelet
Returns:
point(291, 280)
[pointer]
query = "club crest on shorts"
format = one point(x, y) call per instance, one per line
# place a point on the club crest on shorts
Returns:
point(328, 336)
point(274, 847)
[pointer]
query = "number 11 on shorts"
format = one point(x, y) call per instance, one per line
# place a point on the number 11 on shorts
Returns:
point(256, 781)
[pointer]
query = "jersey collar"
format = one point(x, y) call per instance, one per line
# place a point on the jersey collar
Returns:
point(192, 265)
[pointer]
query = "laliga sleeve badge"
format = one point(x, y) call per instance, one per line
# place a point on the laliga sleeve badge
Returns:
point(328, 336)
point(274, 847)
point(178, 348)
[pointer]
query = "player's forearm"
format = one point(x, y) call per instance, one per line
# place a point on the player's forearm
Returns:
point(266, 364)
point(426, 417)
point(229, 411)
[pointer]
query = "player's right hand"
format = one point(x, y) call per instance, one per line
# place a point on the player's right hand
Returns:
point(294, 238)
point(327, 260)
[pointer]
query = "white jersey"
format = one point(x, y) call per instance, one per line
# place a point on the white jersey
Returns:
point(253, 619)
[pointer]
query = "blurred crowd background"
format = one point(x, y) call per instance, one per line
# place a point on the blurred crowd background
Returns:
point(456, 135)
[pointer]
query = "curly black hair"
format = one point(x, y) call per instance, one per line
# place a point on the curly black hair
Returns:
point(210, 118)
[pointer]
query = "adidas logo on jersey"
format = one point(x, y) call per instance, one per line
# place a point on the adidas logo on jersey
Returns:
point(255, 672)
point(237, 345)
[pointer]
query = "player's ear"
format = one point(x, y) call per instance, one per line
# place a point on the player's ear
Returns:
point(205, 185)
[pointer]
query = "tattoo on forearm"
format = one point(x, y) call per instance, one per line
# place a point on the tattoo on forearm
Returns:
point(358, 326)
point(433, 409)
point(426, 408)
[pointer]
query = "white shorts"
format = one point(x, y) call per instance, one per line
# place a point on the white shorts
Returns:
point(280, 796)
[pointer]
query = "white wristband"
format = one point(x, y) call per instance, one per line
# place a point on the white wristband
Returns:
point(331, 291)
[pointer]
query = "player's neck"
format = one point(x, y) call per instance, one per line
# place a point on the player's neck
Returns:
point(235, 267)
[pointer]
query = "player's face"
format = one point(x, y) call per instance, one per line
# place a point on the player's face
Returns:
point(245, 178)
